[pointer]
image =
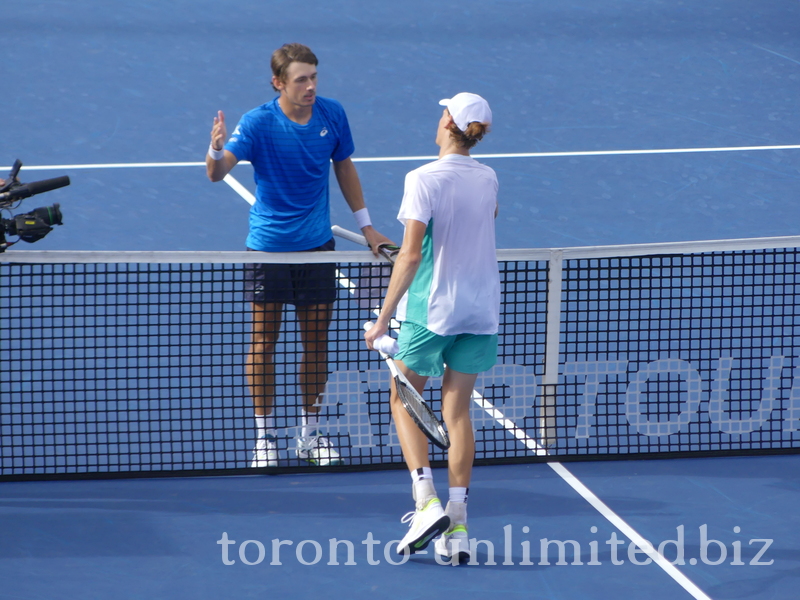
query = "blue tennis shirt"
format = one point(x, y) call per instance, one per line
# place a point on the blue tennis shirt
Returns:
point(291, 164)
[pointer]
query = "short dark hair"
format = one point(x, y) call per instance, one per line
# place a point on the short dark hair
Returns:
point(286, 55)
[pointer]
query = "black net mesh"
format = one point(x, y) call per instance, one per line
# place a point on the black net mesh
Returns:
point(679, 353)
point(142, 368)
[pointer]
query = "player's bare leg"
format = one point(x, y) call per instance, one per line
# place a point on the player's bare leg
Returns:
point(260, 373)
point(456, 400)
point(260, 365)
point(412, 440)
point(314, 322)
point(428, 519)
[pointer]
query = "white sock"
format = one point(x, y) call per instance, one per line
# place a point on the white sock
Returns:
point(421, 473)
point(422, 487)
point(459, 494)
point(265, 425)
point(261, 425)
point(457, 511)
point(309, 422)
point(423, 491)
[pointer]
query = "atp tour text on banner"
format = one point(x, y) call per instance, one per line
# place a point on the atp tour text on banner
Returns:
point(639, 401)
point(693, 391)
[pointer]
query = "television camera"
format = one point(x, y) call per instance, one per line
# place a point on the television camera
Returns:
point(32, 226)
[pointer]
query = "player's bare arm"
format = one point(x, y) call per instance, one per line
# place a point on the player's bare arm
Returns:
point(350, 184)
point(217, 169)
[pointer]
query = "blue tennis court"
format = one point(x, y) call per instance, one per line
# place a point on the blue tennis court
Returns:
point(616, 122)
point(147, 538)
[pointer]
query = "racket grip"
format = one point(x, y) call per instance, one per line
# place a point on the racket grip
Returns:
point(385, 343)
point(349, 235)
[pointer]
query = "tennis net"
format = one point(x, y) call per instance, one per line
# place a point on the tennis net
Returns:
point(133, 363)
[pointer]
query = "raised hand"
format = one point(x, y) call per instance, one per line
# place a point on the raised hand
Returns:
point(219, 162)
point(219, 133)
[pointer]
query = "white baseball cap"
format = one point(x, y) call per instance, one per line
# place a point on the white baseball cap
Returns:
point(466, 108)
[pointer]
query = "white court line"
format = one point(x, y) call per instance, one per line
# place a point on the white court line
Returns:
point(240, 189)
point(592, 153)
point(629, 532)
point(776, 54)
point(592, 499)
point(413, 158)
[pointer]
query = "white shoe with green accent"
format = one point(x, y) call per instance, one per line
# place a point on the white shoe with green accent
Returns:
point(265, 453)
point(425, 524)
point(318, 450)
point(454, 544)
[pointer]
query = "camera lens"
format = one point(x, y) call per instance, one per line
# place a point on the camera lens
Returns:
point(49, 214)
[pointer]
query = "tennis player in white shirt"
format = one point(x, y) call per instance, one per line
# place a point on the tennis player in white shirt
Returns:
point(445, 290)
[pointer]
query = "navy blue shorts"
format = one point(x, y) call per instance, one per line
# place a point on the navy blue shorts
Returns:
point(295, 284)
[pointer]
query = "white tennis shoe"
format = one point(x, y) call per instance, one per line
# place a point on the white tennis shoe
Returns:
point(454, 544)
point(318, 450)
point(265, 453)
point(424, 524)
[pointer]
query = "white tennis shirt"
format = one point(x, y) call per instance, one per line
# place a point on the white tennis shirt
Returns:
point(457, 287)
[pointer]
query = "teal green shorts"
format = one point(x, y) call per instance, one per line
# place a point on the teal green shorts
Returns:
point(426, 353)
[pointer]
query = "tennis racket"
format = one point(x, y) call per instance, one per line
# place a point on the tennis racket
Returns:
point(414, 404)
point(388, 251)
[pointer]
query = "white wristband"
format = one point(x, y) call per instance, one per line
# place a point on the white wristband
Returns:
point(362, 218)
point(215, 154)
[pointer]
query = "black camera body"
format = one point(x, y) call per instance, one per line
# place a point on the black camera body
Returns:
point(32, 226)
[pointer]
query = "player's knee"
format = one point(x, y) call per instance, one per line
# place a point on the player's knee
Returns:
point(455, 418)
point(263, 347)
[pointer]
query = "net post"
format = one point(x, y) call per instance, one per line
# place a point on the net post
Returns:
point(547, 431)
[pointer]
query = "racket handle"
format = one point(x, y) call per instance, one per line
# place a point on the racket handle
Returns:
point(385, 343)
point(349, 235)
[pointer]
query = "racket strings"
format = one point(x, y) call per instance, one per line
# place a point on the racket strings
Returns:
point(422, 414)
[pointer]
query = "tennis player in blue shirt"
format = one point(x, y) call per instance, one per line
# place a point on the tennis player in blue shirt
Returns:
point(291, 142)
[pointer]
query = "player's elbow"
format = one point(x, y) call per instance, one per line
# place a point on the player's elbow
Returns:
point(218, 169)
point(215, 173)
point(412, 258)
